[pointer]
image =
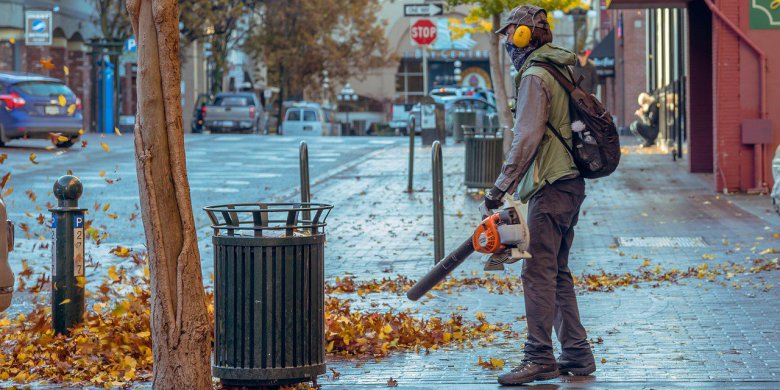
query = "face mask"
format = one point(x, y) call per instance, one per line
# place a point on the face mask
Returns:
point(518, 54)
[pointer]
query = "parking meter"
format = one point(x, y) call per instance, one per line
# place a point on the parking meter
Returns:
point(68, 276)
point(6, 245)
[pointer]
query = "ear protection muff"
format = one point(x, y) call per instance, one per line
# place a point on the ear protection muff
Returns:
point(522, 36)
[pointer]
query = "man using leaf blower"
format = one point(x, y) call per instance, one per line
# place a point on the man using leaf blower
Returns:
point(541, 171)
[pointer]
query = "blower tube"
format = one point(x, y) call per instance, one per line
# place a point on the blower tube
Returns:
point(441, 270)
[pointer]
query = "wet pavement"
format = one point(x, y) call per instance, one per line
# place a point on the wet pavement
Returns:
point(695, 333)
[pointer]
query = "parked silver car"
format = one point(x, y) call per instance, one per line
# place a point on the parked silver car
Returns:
point(229, 112)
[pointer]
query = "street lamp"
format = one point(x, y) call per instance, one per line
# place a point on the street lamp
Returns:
point(457, 71)
point(348, 94)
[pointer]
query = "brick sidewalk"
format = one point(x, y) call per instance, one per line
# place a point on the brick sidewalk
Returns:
point(692, 334)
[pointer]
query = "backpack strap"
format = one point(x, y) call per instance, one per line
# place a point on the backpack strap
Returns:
point(557, 75)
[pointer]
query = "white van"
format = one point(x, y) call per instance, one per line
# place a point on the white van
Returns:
point(303, 120)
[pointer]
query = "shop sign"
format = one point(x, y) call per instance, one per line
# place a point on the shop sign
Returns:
point(764, 14)
point(37, 28)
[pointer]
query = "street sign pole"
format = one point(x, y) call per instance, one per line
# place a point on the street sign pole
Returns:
point(425, 70)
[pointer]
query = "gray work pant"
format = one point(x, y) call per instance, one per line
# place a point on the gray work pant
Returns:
point(548, 287)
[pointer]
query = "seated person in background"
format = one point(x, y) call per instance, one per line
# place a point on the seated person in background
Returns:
point(646, 127)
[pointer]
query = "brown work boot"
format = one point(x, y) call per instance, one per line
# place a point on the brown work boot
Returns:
point(528, 372)
point(567, 367)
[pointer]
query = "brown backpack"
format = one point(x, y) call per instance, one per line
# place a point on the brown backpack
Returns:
point(596, 146)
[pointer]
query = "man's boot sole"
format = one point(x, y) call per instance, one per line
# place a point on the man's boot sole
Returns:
point(579, 371)
point(538, 377)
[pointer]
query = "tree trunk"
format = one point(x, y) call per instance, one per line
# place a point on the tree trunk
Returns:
point(498, 77)
point(179, 321)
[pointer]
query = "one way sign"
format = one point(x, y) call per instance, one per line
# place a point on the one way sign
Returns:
point(430, 9)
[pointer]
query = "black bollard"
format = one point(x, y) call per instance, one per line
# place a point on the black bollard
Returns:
point(67, 280)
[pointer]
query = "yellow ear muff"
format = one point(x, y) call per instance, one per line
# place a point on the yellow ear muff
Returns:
point(522, 37)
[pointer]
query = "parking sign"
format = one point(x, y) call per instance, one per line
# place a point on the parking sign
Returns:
point(37, 28)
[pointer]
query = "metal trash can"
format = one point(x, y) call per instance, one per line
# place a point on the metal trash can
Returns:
point(462, 118)
point(268, 292)
point(484, 156)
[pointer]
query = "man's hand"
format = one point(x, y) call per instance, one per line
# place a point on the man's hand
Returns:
point(494, 198)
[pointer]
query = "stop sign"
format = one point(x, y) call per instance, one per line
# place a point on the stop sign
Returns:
point(423, 32)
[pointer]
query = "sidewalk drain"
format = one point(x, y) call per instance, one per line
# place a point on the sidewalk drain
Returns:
point(662, 242)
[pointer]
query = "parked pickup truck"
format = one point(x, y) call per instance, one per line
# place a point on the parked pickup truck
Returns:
point(233, 111)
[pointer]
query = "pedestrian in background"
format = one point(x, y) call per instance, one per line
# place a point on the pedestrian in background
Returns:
point(587, 69)
point(539, 170)
point(646, 125)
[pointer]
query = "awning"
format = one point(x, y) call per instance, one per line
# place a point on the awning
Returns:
point(603, 55)
point(642, 4)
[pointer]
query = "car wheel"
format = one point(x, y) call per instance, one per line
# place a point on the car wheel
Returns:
point(68, 143)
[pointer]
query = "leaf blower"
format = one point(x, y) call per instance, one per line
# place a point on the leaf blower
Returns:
point(504, 235)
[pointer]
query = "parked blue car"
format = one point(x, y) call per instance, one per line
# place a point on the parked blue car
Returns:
point(34, 106)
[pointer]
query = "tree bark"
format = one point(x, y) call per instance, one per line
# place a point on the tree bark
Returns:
point(499, 87)
point(179, 320)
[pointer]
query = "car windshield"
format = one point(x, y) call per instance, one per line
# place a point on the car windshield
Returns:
point(309, 116)
point(232, 101)
point(43, 88)
point(294, 115)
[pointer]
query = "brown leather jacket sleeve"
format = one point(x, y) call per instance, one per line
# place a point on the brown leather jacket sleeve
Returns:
point(533, 108)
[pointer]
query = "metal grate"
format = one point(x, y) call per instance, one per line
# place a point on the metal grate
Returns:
point(662, 242)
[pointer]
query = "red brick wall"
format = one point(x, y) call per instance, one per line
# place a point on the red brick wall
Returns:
point(6, 56)
point(734, 161)
point(630, 60)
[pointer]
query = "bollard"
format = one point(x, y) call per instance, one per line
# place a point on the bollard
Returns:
point(67, 279)
point(411, 153)
point(438, 202)
point(305, 185)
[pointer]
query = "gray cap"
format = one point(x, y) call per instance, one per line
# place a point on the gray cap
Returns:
point(528, 15)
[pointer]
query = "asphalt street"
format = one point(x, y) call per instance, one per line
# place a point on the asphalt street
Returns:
point(222, 168)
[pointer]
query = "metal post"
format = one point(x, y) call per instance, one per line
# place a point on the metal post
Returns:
point(67, 279)
point(304, 169)
point(438, 202)
point(411, 128)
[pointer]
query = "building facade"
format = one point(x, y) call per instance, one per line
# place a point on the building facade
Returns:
point(710, 64)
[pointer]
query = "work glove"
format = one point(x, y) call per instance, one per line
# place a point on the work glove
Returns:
point(494, 198)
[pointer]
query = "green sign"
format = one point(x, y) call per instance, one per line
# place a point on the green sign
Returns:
point(764, 14)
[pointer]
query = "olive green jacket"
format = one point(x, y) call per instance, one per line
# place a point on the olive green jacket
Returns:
point(537, 157)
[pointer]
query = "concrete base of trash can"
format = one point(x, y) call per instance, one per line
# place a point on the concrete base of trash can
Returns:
point(250, 377)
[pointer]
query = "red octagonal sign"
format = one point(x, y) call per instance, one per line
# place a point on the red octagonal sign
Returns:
point(423, 32)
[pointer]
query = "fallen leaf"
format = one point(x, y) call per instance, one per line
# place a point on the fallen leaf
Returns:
point(81, 131)
point(33, 156)
point(116, 130)
point(5, 179)
point(65, 302)
point(105, 147)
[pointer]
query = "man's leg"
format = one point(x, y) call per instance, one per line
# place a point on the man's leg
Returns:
point(576, 355)
point(539, 276)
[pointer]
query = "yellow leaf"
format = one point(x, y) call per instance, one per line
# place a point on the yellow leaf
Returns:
point(447, 337)
point(49, 147)
point(71, 109)
point(62, 138)
point(105, 208)
point(105, 147)
point(5, 322)
point(66, 70)
point(102, 173)
point(112, 273)
point(497, 363)
point(116, 130)
point(387, 328)
point(65, 302)
point(8, 192)
point(62, 100)
point(81, 281)
point(33, 156)
point(12, 40)
point(81, 131)
point(329, 347)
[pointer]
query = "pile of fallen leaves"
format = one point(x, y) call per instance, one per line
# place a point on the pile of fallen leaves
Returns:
point(351, 332)
point(112, 347)
point(491, 282)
